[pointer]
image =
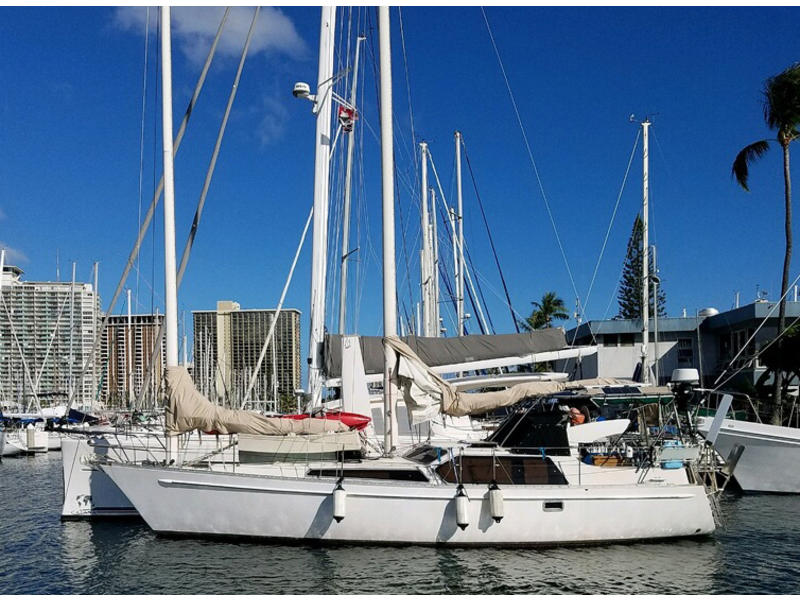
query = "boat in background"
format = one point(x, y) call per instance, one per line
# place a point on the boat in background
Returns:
point(89, 493)
point(767, 455)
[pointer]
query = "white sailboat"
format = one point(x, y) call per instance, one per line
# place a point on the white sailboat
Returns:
point(770, 455)
point(476, 495)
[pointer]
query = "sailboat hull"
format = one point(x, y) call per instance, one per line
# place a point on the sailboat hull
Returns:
point(771, 454)
point(203, 503)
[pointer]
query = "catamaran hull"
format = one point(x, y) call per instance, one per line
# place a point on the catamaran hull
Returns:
point(771, 454)
point(203, 503)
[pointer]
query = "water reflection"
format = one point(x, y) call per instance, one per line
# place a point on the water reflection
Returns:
point(754, 553)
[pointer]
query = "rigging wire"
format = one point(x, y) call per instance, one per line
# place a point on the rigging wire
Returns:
point(360, 204)
point(151, 209)
point(608, 230)
point(141, 136)
point(156, 116)
point(491, 240)
point(187, 248)
point(408, 93)
point(530, 155)
point(480, 291)
point(753, 335)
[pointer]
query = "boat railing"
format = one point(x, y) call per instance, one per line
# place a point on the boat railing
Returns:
point(711, 398)
point(669, 454)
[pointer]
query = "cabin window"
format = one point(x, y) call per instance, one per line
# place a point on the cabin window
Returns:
point(390, 474)
point(553, 506)
point(530, 470)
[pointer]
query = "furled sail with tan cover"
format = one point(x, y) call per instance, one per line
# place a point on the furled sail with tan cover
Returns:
point(426, 393)
point(189, 410)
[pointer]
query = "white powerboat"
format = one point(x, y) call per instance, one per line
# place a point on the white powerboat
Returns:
point(769, 461)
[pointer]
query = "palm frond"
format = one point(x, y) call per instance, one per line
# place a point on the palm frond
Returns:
point(782, 100)
point(746, 156)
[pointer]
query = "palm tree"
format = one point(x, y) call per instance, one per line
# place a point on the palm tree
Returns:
point(550, 307)
point(781, 113)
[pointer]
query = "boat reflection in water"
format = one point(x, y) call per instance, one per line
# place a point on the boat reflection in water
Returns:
point(110, 558)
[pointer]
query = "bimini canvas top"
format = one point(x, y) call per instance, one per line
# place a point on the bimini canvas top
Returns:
point(435, 352)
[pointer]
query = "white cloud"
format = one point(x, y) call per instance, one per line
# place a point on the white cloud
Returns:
point(194, 28)
point(273, 122)
point(13, 256)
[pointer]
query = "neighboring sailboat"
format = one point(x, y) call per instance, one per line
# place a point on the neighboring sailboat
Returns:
point(488, 494)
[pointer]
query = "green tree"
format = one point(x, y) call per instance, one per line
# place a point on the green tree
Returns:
point(630, 285)
point(782, 356)
point(782, 114)
point(548, 308)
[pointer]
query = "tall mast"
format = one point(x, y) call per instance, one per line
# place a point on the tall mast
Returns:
point(645, 251)
point(389, 273)
point(434, 268)
point(351, 142)
point(170, 276)
point(320, 232)
point(95, 303)
point(71, 374)
point(460, 242)
point(425, 260)
point(170, 287)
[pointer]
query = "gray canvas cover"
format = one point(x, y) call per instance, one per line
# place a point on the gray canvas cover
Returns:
point(436, 352)
point(189, 410)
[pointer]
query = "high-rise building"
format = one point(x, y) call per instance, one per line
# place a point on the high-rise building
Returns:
point(227, 345)
point(127, 349)
point(47, 333)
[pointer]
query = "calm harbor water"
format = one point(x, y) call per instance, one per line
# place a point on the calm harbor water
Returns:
point(758, 551)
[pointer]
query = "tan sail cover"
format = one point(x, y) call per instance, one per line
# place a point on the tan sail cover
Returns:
point(189, 410)
point(427, 394)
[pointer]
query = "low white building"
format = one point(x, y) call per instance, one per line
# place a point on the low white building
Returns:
point(715, 343)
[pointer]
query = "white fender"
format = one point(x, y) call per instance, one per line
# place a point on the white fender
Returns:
point(496, 502)
point(339, 502)
point(462, 508)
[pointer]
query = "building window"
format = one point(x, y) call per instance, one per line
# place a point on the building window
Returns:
point(685, 353)
point(626, 339)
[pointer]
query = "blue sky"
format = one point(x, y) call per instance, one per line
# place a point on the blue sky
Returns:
point(71, 110)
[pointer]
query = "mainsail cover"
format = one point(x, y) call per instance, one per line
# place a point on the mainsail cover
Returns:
point(436, 352)
point(189, 410)
point(426, 394)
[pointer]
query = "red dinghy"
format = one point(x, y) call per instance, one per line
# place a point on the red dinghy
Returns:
point(352, 420)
